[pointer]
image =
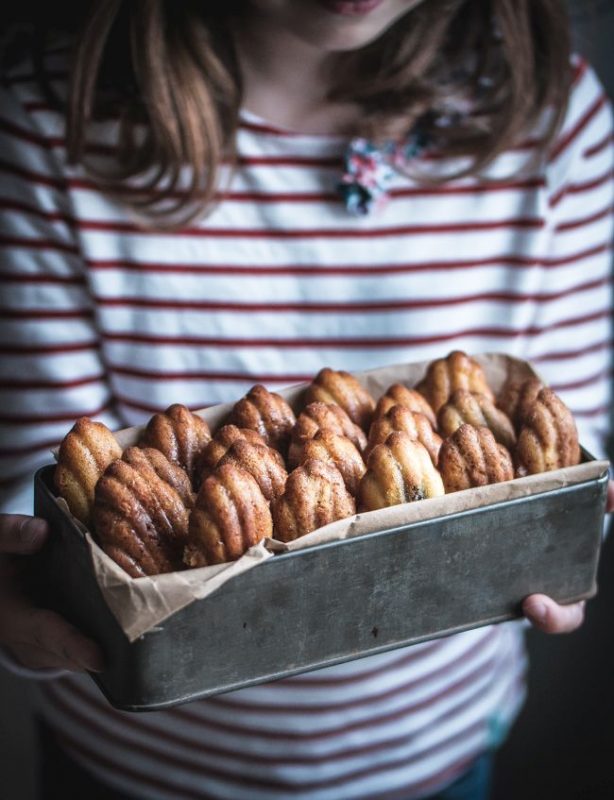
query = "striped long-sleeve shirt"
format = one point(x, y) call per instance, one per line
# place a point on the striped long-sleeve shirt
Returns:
point(102, 318)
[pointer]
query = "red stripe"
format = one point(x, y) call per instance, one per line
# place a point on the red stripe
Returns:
point(395, 194)
point(341, 269)
point(47, 349)
point(584, 120)
point(46, 313)
point(311, 682)
point(23, 133)
point(143, 779)
point(34, 177)
point(578, 188)
point(349, 307)
point(598, 411)
point(26, 208)
point(31, 77)
point(578, 223)
point(601, 145)
point(147, 408)
point(562, 355)
point(581, 383)
point(311, 233)
point(136, 372)
point(18, 385)
point(38, 244)
point(580, 68)
point(44, 418)
point(33, 106)
point(34, 277)
point(406, 341)
point(9, 452)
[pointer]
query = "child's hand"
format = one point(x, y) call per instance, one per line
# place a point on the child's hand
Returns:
point(546, 615)
point(36, 637)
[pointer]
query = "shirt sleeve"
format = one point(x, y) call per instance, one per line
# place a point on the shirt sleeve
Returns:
point(51, 369)
point(572, 343)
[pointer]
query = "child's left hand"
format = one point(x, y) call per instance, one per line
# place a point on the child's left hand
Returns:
point(546, 615)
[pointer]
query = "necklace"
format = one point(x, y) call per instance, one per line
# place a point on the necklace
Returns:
point(369, 170)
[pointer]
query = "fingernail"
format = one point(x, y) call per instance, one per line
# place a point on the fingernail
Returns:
point(538, 611)
point(32, 530)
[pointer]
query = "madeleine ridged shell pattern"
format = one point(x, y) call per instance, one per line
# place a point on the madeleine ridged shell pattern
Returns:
point(399, 395)
point(85, 453)
point(268, 414)
point(472, 457)
point(549, 438)
point(262, 462)
point(446, 375)
point(415, 424)
point(315, 496)
point(141, 512)
point(217, 448)
point(338, 386)
point(178, 433)
point(518, 397)
point(398, 471)
point(231, 514)
point(328, 417)
point(477, 410)
point(339, 451)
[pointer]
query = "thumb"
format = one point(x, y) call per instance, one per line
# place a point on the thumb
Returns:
point(20, 535)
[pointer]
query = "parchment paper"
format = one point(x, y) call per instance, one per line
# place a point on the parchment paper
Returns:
point(140, 604)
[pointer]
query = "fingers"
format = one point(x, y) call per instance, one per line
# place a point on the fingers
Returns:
point(549, 617)
point(39, 637)
point(20, 535)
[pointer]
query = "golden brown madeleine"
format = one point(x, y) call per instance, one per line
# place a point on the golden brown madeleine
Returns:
point(398, 471)
point(179, 434)
point(85, 453)
point(268, 414)
point(315, 495)
point(548, 438)
point(337, 386)
point(152, 463)
point(446, 375)
point(399, 395)
point(339, 451)
point(517, 399)
point(262, 462)
point(479, 411)
point(217, 448)
point(400, 418)
point(231, 514)
point(323, 417)
point(141, 512)
point(473, 457)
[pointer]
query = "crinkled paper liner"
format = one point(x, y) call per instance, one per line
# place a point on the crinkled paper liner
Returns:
point(140, 604)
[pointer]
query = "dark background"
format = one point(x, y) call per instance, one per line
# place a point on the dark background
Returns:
point(562, 745)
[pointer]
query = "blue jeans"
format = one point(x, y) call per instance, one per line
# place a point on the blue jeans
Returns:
point(473, 784)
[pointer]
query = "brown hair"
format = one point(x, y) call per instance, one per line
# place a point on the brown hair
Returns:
point(171, 66)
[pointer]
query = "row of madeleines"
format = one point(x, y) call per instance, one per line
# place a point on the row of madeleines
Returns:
point(184, 498)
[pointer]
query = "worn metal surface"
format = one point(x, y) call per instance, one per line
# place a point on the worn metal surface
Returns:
point(335, 602)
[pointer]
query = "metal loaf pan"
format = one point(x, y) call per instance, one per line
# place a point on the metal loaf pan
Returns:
point(333, 602)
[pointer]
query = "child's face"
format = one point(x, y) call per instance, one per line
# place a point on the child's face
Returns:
point(331, 25)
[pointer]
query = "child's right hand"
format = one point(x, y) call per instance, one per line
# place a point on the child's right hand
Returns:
point(36, 637)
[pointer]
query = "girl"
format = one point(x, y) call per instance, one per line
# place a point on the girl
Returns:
point(201, 196)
